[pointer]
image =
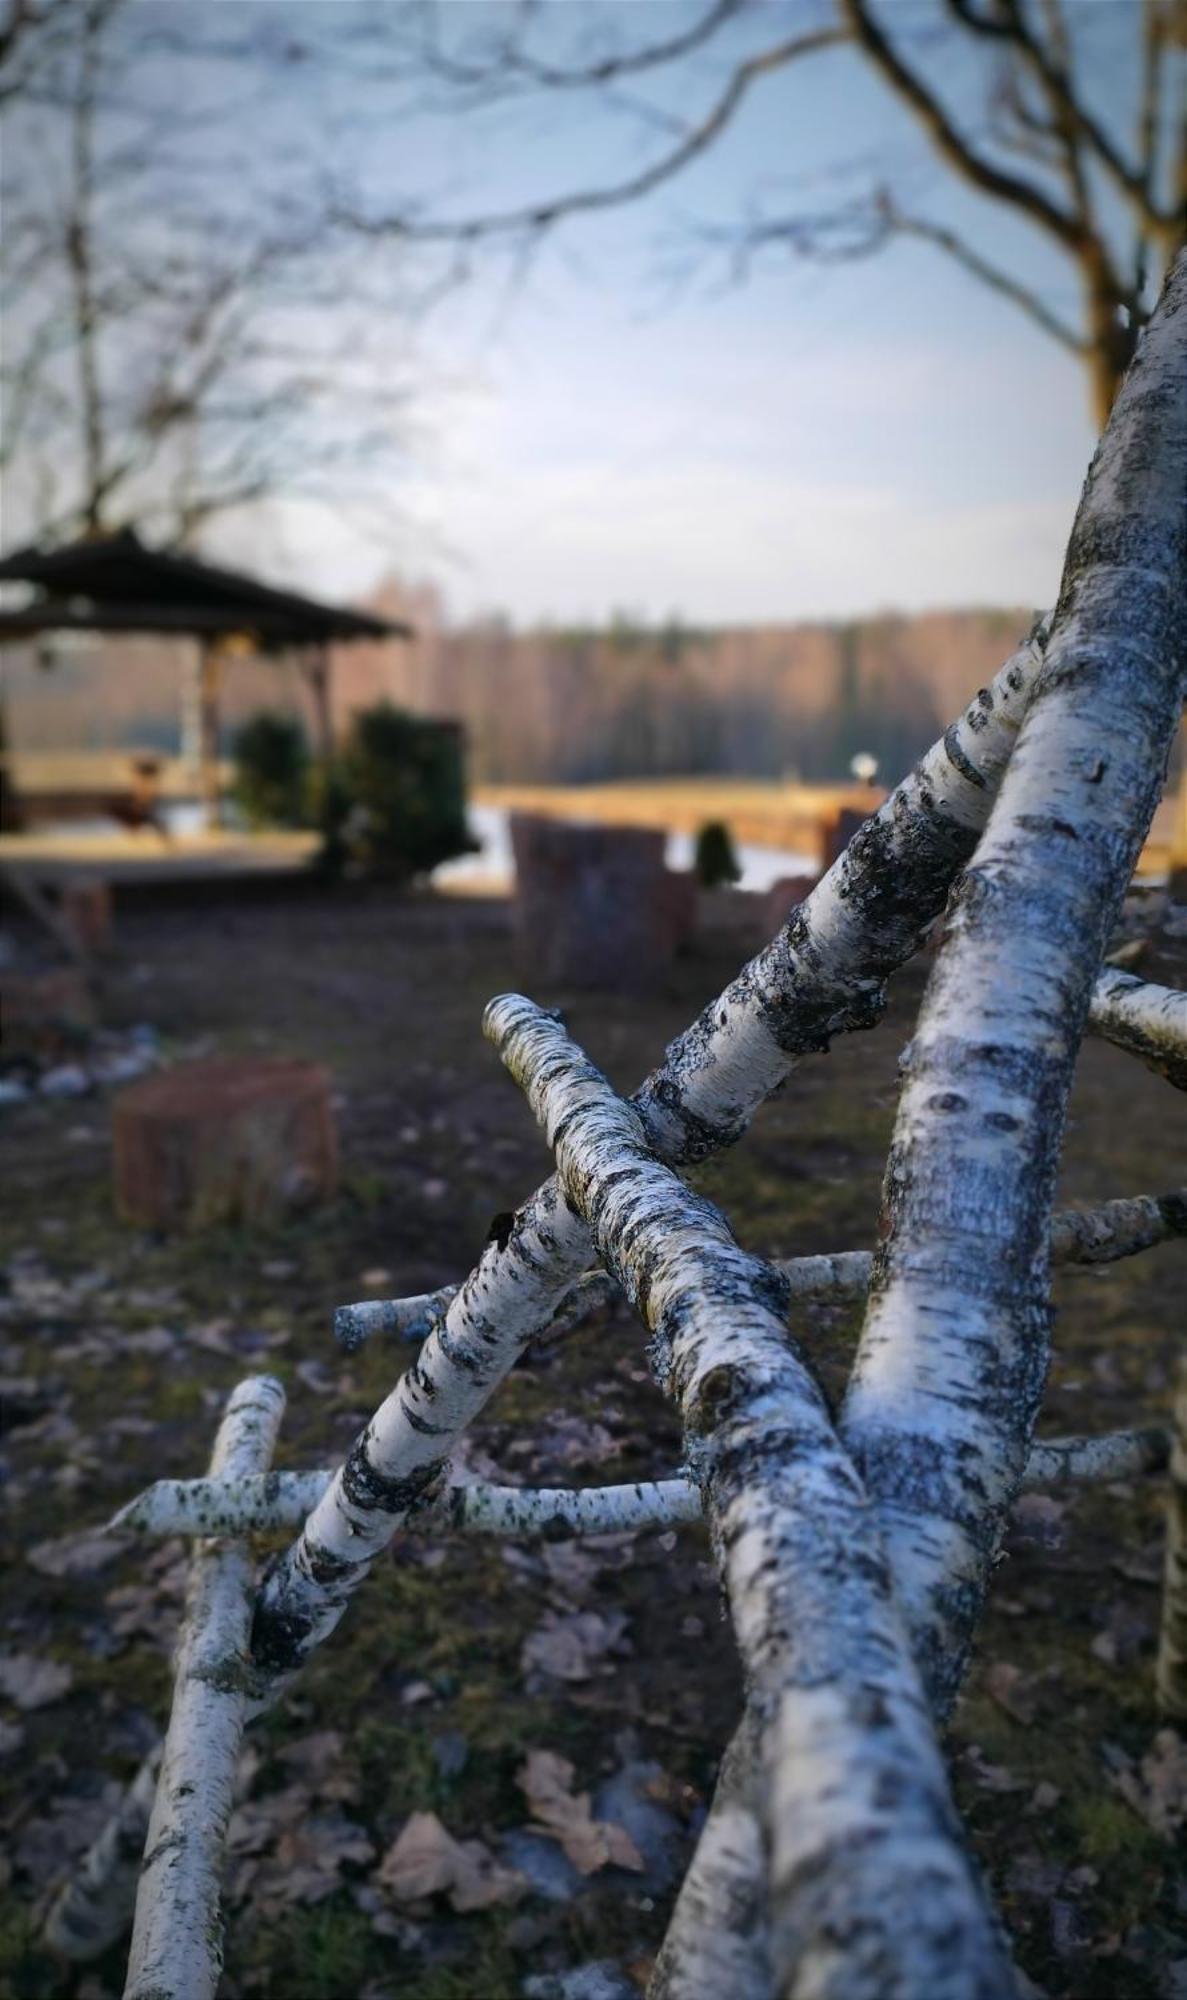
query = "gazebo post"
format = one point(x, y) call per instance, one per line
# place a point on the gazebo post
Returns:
point(323, 718)
point(210, 669)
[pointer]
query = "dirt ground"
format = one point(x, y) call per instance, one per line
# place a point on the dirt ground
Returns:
point(461, 1659)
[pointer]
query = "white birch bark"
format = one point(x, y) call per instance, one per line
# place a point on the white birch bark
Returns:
point(94, 1908)
point(415, 1318)
point(263, 1502)
point(177, 1950)
point(1170, 1678)
point(717, 1940)
point(822, 974)
point(1096, 1461)
point(283, 1499)
point(1148, 1021)
point(953, 1355)
point(872, 1889)
point(1118, 1228)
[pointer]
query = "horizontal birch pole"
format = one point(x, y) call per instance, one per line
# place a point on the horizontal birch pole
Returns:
point(953, 1354)
point(1147, 1021)
point(264, 1502)
point(177, 1950)
point(821, 975)
point(258, 1504)
point(872, 1888)
point(416, 1317)
point(1078, 1236)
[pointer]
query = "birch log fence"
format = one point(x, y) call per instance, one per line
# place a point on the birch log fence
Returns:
point(855, 1550)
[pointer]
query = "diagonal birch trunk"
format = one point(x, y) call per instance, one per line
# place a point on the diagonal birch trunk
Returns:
point(872, 1889)
point(823, 974)
point(177, 1932)
point(953, 1355)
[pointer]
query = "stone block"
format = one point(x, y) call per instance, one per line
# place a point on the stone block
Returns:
point(782, 898)
point(237, 1139)
point(681, 903)
point(593, 905)
point(836, 833)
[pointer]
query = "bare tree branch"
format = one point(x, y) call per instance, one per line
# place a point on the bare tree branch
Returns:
point(541, 216)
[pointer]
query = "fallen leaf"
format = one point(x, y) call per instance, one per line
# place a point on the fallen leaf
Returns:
point(1158, 1790)
point(1012, 1690)
point(282, 1852)
point(570, 1646)
point(319, 1762)
point(571, 1570)
point(1039, 1518)
point(31, 1682)
point(992, 1777)
point(546, 1782)
point(426, 1860)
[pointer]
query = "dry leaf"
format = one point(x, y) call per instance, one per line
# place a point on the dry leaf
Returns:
point(572, 1645)
point(427, 1860)
point(31, 1682)
point(546, 1782)
point(1039, 1518)
point(1012, 1690)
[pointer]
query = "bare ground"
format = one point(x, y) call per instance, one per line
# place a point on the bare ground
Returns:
point(448, 1672)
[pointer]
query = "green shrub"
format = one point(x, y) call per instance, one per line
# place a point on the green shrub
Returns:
point(397, 798)
point(271, 781)
point(715, 861)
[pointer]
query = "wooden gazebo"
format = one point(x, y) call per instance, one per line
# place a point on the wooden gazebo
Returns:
point(114, 583)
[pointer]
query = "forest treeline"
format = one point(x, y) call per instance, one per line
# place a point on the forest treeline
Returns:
point(555, 705)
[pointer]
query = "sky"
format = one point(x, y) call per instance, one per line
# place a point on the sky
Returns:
point(606, 435)
point(624, 426)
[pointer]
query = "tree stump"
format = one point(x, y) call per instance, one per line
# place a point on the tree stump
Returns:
point(594, 905)
point(234, 1140)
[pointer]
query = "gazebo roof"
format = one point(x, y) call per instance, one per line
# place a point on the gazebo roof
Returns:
point(113, 583)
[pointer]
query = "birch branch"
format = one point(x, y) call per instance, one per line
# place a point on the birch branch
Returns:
point(717, 1940)
point(257, 1504)
point(177, 1950)
point(263, 1502)
point(94, 1908)
point(1170, 1678)
point(872, 1889)
point(1148, 1021)
point(821, 975)
point(953, 1355)
point(1078, 1236)
point(415, 1318)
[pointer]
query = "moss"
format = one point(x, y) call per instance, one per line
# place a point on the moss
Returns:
point(323, 1953)
point(1106, 1830)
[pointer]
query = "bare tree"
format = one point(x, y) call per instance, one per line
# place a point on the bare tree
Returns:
point(1106, 189)
point(182, 335)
